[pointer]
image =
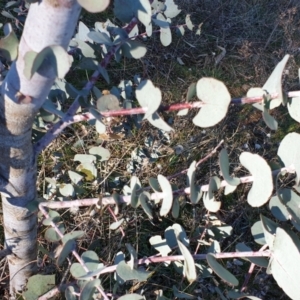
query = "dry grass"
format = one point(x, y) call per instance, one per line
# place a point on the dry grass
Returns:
point(256, 35)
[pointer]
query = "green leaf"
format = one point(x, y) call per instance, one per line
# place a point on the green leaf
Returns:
point(94, 6)
point(277, 208)
point(125, 10)
point(216, 100)
point(262, 186)
point(52, 236)
point(133, 49)
point(148, 96)
point(75, 177)
point(181, 295)
point(257, 232)
point(291, 203)
point(100, 127)
point(259, 261)
point(269, 120)
point(168, 195)
point(273, 84)
point(294, 108)
point(171, 9)
point(160, 245)
point(191, 93)
point(126, 273)
point(117, 224)
point(144, 200)
point(223, 273)
point(89, 289)
point(189, 264)
point(91, 261)
point(154, 185)
point(89, 170)
point(188, 22)
point(67, 248)
point(55, 56)
point(224, 166)
point(54, 216)
point(70, 293)
point(67, 190)
point(101, 153)
point(135, 185)
point(158, 122)
point(175, 208)
point(269, 228)
point(209, 200)
point(175, 232)
point(9, 44)
point(38, 285)
point(75, 235)
point(285, 263)
point(195, 191)
point(100, 38)
point(288, 152)
point(235, 294)
point(132, 297)
point(165, 36)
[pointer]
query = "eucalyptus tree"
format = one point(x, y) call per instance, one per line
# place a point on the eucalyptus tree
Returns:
point(38, 59)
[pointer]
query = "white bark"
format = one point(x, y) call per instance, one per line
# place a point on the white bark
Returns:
point(50, 22)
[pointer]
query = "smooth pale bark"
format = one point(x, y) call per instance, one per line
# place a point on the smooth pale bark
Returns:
point(50, 22)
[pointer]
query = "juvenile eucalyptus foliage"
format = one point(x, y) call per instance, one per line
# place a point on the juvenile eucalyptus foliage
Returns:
point(33, 92)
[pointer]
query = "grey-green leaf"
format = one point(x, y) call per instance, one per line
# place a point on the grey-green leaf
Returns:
point(278, 209)
point(294, 108)
point(55, 56)
point(125, 10)
point(126, 273)
point(38, 285)
point(221, 271)
point(216, 100)
point(168, 195)
point(273, 84)
point(89, 289)
point(9, 44)
point(259, 261)
point(158, 122)
point(100, 152)
point(134, 49)
point(132, 297)
point(93, 6)
point(285, 263)
point(171, 9)
point(148, 96)
point(188, 22)
point(195, 191)
point(262, 187)
point(144, 200)
point(165, 36)
point(224, 166)
point(189, 264)
point(288, 152)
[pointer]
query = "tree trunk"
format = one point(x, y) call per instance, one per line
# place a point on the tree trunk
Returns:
point(49, 22)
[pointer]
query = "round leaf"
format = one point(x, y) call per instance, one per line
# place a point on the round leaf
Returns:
point(216, 100)
point(148, 96)
point(262, 187)
point(94, 6)
point(89, 289)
